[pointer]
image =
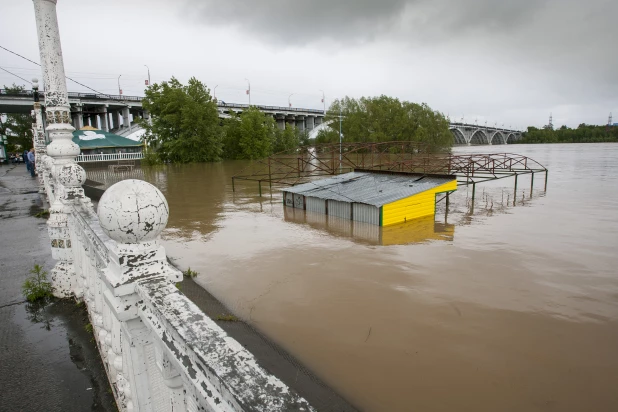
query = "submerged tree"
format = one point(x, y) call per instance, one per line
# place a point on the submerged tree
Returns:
point(185, 125)
point(250, 135)
point(287, 139)
point(383, 119)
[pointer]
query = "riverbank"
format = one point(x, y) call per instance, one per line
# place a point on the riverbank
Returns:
point(48, 360)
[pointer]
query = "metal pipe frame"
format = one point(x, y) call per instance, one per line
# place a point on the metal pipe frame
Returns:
point(307, 163)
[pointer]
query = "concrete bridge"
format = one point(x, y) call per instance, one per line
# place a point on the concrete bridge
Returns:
point(464, 134)
point(472, 134)
point(117, 114)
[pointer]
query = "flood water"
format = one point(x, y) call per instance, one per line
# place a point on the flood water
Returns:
point(501, 305)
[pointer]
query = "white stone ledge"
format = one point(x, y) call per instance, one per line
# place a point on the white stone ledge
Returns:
point(225, 374)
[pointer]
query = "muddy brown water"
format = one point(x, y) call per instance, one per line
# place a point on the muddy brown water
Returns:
point(501, 305)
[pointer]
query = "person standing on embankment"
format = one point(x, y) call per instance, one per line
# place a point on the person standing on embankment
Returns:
point(31, 161)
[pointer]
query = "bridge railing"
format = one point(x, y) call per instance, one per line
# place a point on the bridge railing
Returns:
point(160, 351)
point(101, 96)
point(73, 95)
point(85, 158)
point(222, 105)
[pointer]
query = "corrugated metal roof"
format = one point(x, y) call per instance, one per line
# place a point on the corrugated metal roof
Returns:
point(375, 189)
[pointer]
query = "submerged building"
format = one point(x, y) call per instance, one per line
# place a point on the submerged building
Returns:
point(378, 197)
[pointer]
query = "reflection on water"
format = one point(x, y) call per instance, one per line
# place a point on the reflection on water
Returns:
point(36, 313)
point(414, 231)
point(507, 303)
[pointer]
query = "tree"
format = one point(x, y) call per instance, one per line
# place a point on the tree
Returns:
point(17, 127)
point(328, 135)
point(383, 119)
point(257, 134)
point(583, 134)
point(250, 135)
point(287, 139)
point(185, 122)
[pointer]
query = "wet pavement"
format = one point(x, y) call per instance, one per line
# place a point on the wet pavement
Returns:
point(48, 360)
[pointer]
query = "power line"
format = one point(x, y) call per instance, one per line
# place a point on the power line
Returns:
point(265, 91)
point(19, 55)
point(74, 81)
point(19, 77)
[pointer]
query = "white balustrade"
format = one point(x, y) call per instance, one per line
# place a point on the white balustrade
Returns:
point(160, 351)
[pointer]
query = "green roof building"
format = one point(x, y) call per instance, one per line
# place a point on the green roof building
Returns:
point(93, 141)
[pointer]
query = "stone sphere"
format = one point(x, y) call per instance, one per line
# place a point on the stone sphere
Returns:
point(71, 175)
point(133, 211)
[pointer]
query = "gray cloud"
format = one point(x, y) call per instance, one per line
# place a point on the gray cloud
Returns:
point(286, 22)
point(574, 39)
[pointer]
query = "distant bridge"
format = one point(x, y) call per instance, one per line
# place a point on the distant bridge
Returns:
point(116, 113)
point(464, 134)
point(473, 134)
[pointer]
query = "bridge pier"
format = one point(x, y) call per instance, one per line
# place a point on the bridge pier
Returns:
point(93, 120)
point(281, 121)
point(104, 119)
point(116, 119)
point(126, 120)
point(299, 122)
point(310, 120)
point(78, 117)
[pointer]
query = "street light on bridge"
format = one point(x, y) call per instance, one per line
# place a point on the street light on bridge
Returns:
point(248, 90)
point(323, 101)
point(289, 102)
point(214, 92)
point(119, 89)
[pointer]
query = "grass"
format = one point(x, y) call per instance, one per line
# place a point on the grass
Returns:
point(227, 318)
point(36, 287)
point(190, 273)
point(42, 213)
point(88, 328)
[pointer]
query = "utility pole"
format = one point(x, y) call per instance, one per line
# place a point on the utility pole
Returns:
point(340, 134)
point(148, 84)
point(550, 126)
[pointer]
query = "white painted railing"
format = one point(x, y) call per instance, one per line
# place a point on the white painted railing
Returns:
point(108, 157)
point(161, 352)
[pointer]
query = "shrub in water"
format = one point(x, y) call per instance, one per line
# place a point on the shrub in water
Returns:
point(37, 287)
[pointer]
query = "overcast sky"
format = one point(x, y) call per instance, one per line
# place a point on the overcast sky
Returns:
point(510, 62)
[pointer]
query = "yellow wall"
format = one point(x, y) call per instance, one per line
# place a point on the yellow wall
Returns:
point(419, 205)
